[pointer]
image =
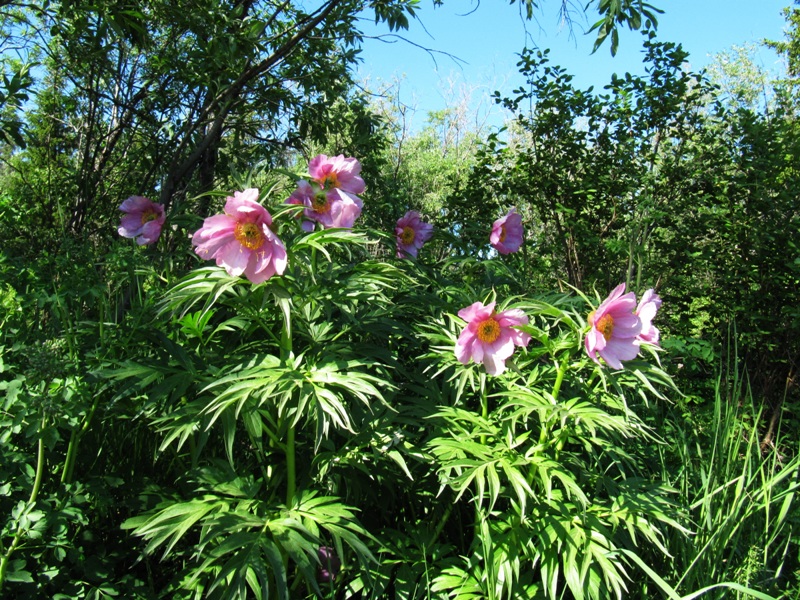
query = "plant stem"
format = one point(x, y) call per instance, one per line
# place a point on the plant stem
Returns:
point(483, 438)
point(74, 441)
point(484, 404)
point(69, 461)
point(290, 465)
point(286, 353)
point(440, 526)
point(37, 484)
point(562, 369)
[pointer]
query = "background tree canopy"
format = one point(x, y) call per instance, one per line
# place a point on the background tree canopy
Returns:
point(188, 93)
point(171, 430)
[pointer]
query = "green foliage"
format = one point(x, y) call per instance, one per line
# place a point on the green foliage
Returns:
point(12, 96)
point(740, 493)
point(653, 181)
point(743, 83)
point(586, 170)
point(326, 408)
point(244, 538)
point(635, 14)
point(169, 101)
point(548, 474)
point(168, 430)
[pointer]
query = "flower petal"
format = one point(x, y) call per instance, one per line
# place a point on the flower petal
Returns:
point(234, 257)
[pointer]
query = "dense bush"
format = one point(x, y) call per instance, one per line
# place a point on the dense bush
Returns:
point(333, 411)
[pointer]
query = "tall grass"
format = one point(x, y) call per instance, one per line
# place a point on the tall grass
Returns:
point(742, 500)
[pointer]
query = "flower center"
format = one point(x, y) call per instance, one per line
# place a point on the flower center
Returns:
point(604, 325)
point(149, 215)
point(320, 202)
point(502, 233)
point(330, 180)
point(248, 235)
point(489, 330)
point(408, 235)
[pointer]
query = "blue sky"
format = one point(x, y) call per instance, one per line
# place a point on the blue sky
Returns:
point(488, 35)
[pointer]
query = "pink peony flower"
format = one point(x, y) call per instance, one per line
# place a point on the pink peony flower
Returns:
point(507, 233)
point(336, 172)
point(142, 220)
point(303, 196)
point(646, 311)
point(330, 564)
point(411, 233)
point(330, 208)
point(614, 329)
point(241, 240)
point(490, 337)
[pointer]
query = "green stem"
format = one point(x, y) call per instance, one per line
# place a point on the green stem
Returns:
point(37, 484)
point(544, 432)
point(440, 526)
point(69, 461)
point(286, 353)
point(483, 438)
point(562, 369)
point(74, 441)
point(542, 436)
point(291, 484)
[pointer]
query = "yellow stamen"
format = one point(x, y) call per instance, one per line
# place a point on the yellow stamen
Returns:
point(408, 235)
point(604, 325)
point(248, 235)
point(149, 215)
point(502, 233)
point(331, 180)
point(320, 202)
point(489, 330)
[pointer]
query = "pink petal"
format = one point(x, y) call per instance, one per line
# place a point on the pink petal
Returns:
point(150, 232)
point(131, 223)
point(256, 275)
point(244, 206)
point(477, 349)
point(345, 208)
point(619, 350)
point(520, 338)
point(135, 204)
point(315, 166)
point(475, 311)
point(347, 170)
point(594, 342)
point(234, 257)
point(513, 316)
point(502, 347)
point(494, 364)
point(208, 247)
point(217, 225)
point(463, 345)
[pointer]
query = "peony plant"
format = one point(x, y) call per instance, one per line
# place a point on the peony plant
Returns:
point(143, 220)
point(490, 337)
point(333, 387)
point(507, 232)
point(411, 233)
point(330, 197)
point(242, 240)
point(646, 311)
